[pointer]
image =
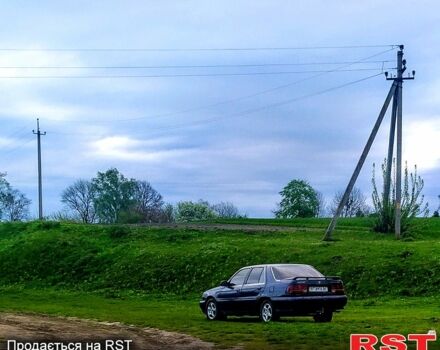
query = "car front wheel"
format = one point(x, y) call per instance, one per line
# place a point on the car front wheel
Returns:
point(266, 311)
point(212, 312)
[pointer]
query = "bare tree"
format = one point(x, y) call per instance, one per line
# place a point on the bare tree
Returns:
point(148, 202)
point(226, 210)
point(356, 204)
point(15, 205)
point(166, 213)
point(79, 198)
point(4, 187)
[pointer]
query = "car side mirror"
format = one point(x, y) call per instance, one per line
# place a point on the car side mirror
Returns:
point(225, 284)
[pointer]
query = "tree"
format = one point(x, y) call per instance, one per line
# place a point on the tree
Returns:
point(113, 195)
point(79, 198)
point(148, 202)
point(4, 186)
point(166, 213)
point(412, 203)
point(226, 210)
point(299, 199)
point(15, 205)
point(356, 205)
point(187, 211)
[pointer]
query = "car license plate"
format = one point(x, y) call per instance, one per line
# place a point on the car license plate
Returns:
point(318, 289)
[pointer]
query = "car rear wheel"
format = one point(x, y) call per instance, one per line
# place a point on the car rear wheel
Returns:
point(266, 311)
point(212, 311)
point(323, 316)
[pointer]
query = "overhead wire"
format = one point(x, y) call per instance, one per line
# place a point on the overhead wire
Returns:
point(17, 131)
point(113, 49)
point(179, 75)
point(251, 110)
point(276, 104)
point(238, 65)
point(232, 100)
point(13, 150)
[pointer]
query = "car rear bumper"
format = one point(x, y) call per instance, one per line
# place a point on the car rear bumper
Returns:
point(308, 304)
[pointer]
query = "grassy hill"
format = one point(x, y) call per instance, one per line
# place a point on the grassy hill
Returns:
point(152, 276)
point(186, 260)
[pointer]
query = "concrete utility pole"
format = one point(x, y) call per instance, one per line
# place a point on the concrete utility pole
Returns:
point(399, 78)
point(357, 170)
point(396, 117)
point(40, 182)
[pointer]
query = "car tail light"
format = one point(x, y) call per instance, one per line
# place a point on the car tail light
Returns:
point(300, 288)
point(337, 288)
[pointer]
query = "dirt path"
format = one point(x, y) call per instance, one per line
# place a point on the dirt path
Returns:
point(251, 228)
point(234, 227)
point(44, 328)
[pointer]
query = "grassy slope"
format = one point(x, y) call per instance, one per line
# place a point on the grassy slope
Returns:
point(57, 269)
point(156, 260)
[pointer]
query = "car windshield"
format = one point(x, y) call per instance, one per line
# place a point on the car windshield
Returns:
point(281, 272)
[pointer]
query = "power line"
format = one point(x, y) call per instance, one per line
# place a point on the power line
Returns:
point(235, 99)
point(240, 65)
point(15, 137)
point(182, 75)
point(276, 104)
point(17, 131)
point(13, 150)
point(108, 49)
point(252, 110)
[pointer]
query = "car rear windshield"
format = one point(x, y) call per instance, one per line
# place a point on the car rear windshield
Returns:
point(291, 271)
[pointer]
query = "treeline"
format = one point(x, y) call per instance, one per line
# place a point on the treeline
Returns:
point(300, 199)
point(111, 198)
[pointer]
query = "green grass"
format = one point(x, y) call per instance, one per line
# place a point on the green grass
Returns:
point(153, 276)
point(377, 316)
point(148, 260)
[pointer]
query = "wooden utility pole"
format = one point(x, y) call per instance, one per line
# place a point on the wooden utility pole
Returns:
point(395, 93)
point(40, 182)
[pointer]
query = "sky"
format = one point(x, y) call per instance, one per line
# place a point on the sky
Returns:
point(230, 125)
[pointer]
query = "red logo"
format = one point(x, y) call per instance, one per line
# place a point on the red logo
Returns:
point(391, 341)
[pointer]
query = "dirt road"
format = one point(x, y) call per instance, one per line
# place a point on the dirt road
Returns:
point(44, 328)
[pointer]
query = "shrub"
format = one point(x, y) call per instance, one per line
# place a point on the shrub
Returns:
point(412, 203)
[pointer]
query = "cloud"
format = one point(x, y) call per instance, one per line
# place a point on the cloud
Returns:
point(245, 159)
point(422, 143)
point(130, 149)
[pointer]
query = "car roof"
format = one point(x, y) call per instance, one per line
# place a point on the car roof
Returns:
point(274, 265)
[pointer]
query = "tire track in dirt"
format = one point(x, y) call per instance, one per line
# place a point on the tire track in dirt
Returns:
point(38, 328)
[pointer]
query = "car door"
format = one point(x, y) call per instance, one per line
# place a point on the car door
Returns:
point(228, 297)
point(251, 290)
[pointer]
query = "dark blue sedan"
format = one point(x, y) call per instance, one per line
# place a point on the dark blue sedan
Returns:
point(272, 291)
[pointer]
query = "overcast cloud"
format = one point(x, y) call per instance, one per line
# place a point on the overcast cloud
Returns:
point(199, 137)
